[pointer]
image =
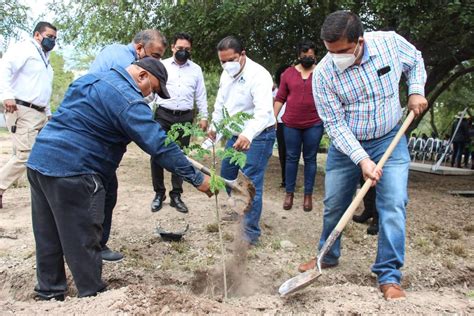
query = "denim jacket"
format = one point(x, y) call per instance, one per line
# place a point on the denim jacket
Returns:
point(100, 115)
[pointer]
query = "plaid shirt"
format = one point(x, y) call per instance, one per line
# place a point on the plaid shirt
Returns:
point(362, 102)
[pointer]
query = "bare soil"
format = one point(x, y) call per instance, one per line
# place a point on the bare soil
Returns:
point(158, 277)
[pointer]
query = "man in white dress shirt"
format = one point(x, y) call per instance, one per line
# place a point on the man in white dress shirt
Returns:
point(246, 86)
point(185, 85)
point(26, 80)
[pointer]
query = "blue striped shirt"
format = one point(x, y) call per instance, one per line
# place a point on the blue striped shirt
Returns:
point(362, 103)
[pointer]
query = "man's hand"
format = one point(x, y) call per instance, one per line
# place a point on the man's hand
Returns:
point(212, 135)
point(370, 170)
point(203, 125)
point(205, 187)
point(10, 105)
point(242, 143)
point(417, 103)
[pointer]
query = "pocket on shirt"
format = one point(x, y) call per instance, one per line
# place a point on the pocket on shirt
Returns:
point(386, 85)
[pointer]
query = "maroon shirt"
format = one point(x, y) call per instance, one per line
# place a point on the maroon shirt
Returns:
point(300, 109)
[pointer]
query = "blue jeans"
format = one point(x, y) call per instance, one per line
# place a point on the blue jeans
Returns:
point(257, 159)
point(342, 178)
point(309, 139)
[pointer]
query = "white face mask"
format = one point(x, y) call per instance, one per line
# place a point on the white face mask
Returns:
point(232, 67)
point(344, 61)
point(151, 96)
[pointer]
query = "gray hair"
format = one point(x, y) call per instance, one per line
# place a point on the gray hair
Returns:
point(146, 36)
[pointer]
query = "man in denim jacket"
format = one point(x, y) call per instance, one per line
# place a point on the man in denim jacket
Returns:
point(76, 152)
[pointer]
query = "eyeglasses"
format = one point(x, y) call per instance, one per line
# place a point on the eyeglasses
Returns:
point(183, 48)
point(50, 36)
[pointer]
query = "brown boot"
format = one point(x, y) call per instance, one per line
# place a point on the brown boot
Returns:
point(308, 203)
point(392, 291)
point(312, 264)
point(288, 203)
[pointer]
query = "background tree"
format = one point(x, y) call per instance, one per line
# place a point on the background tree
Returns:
point(442, 29)
point(13, 17)
point(61, 80)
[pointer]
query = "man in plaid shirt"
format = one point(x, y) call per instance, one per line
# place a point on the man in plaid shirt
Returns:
point(355, 88)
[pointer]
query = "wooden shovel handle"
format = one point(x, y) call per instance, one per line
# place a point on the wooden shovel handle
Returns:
point(206, 171)
point(363, 191)
point(199, 166)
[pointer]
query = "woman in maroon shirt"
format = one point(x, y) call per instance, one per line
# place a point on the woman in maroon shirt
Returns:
point(303, 128)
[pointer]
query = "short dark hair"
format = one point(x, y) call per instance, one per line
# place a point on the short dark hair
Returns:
point(146, 36)
point(231, 42)
point(183, 36)
point(342, 24)
point(41, 26)
point(304, 46)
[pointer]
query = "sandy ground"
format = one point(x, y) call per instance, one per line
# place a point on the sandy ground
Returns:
point(160, 277)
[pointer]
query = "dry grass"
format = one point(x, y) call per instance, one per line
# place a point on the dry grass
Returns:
point(454, 234)
point(212, 228)
point(275, 244)
point(469, 228)
point(433, 227)
point(228, 236)
point(180, 246)
point(449, 264)
point(459, 250)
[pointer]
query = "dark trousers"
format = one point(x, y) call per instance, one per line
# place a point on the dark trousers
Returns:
point(166, 119)
point(110, 202)
point(369, 201)
point(67, 216)
point(280, 136)
point(458, 149)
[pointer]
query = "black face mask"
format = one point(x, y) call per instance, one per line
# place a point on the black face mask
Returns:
point(182, 55)
point(307, 61)
point(48, 43)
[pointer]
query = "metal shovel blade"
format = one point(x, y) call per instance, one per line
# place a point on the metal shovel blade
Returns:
point(299, 282)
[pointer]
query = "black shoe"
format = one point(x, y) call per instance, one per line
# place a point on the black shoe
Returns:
point(42, 297)
point(110, 255)
point(157, 203)
point(373, 228)
point(178, 204)
point(362, 218)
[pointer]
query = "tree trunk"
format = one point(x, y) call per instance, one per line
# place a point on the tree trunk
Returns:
point(433, 93)
point(432, 122)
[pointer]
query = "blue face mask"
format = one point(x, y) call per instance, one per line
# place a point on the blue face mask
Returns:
point(48, 43)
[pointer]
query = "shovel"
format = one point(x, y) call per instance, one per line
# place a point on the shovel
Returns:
point(304, 279)
point(242, 188)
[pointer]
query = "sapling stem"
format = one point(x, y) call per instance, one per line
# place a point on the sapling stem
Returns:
point(221, 240)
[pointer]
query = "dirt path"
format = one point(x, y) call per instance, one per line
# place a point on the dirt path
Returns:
point(160, 277)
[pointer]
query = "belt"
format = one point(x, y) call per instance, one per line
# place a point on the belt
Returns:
point(30, 105)
point(269, 128)
point(174, 112)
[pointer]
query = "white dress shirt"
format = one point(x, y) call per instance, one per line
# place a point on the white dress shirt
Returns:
point(185, 84)
point(250, 92)
point(26, 74)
